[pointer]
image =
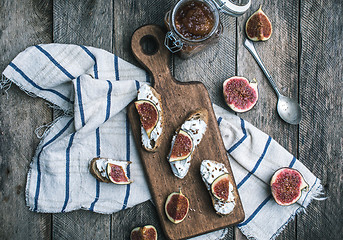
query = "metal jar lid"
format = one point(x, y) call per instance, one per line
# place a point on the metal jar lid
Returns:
point(231, 8)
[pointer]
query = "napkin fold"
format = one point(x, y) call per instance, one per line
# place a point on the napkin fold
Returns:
point(93, 88)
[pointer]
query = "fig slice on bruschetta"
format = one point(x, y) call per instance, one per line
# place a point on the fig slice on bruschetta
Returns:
point(217, 181)
point(150, 111)
point(110, 170)
point(185, 141)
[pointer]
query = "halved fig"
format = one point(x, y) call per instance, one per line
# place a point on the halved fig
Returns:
point(182, 148)
point(117, 174)
point(220, 187)
point(258, 27)
point(287, 185)
point(240, 94)
point(148, 115)
point(176, 207)
point(147, 232)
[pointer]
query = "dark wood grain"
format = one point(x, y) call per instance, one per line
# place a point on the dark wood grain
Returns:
point(162, 182)
point(140, 215)
point(321, 130)
point(280, 56)
point(88, 23)
point(21, 25)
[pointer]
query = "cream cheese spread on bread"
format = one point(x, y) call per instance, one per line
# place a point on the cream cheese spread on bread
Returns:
point(210, 171)
point(145, 93)
point(196, 128)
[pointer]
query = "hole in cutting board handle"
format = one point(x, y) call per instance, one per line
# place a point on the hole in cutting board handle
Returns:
point(149, 45)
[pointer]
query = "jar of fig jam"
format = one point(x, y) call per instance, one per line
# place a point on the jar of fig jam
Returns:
point(195, 24)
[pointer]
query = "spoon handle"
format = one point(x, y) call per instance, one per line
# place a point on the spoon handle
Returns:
point(250, 46)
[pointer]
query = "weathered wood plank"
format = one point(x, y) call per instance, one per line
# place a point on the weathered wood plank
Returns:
point(22, 24)
point(88, 23)
point(130, 15)
point(280, 56)
point(320, 137)
point(138, 216)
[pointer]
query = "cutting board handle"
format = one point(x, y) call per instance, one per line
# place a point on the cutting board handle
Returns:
point(147, 45)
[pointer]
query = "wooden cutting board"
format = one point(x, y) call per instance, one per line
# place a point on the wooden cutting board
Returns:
point(179, 99)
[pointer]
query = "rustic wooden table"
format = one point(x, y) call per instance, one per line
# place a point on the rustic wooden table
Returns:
point(304, 55)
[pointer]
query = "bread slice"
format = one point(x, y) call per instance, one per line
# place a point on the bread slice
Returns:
point(195, 125)
point(151, 144)
point(210, 171)
point(95, 172)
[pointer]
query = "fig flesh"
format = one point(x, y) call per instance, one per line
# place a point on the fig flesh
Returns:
point(258, 27)
point(176, 207)
point(240, 94)
point(117, 174)
point(287, 185)
point(220, 187)
point(182, 148)
point(147, 232)
point(148, 115)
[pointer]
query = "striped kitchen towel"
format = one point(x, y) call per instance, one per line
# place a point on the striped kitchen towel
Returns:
point(93, 88)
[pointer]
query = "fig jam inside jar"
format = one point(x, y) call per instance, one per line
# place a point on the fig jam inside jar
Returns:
point(194, 20)
point(193, 25)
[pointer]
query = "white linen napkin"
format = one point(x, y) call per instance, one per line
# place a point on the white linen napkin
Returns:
point(93, 87)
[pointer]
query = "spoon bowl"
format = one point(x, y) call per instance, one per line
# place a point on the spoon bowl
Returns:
point(288, 109)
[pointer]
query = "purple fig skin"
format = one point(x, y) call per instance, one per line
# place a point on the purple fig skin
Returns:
point(147, 232)
point(176, 207)
point(258, 26)
point(240, 94)
point(287, 185)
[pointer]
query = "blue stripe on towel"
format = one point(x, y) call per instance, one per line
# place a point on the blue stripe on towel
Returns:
point(79, 97)
point(256, 165)
point(219, 120)
point(257, 210)
point(94, 59)
point(267, 199)
point(68, 171)
point(292, 162)
point(242, 139)
point(38, 162)
point(37, 86)
point(108, 109)
point(68, 74)
point(97, 136)
point(97, 187)
point(116, 68)
point(128, 159)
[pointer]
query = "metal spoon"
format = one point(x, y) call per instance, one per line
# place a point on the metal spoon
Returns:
point(288, 109)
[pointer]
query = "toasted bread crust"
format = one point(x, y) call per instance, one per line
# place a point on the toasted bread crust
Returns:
point(201, 113)
point(94, 171)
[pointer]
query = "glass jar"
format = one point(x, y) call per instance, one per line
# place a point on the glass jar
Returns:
point(193, 25)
